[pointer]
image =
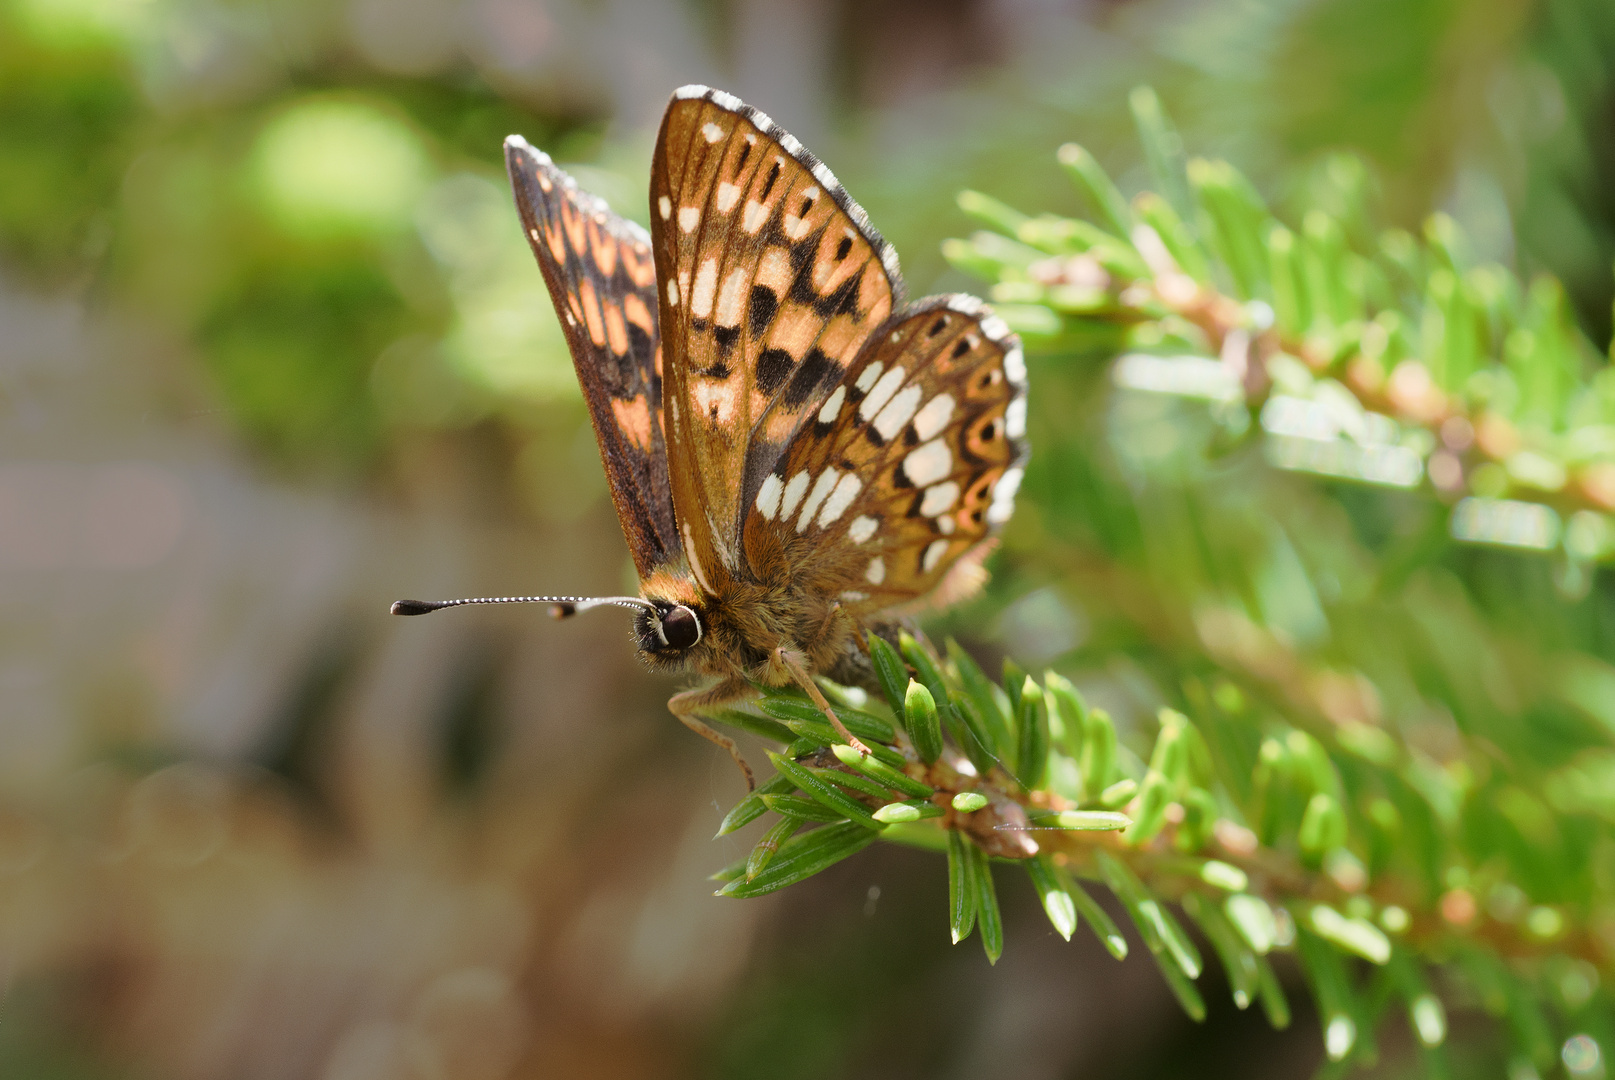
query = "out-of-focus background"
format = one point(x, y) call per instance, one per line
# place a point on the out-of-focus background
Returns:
point(273, 353)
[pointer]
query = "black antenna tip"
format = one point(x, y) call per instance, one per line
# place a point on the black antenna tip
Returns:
point(563, 610)
point(414, 607)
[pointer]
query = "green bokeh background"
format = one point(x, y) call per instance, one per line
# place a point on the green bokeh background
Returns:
point(273, 352)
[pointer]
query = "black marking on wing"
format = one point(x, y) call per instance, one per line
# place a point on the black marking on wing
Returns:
point(773, 367)
point(638, 475)
point(811, 375)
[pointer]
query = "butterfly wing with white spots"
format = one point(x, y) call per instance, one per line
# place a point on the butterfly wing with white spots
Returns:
point(772, 279)
point(910, 463)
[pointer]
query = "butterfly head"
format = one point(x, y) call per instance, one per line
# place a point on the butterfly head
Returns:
point(665, 629)
point(674, 627)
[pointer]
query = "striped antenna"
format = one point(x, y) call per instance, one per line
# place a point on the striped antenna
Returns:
point(560, 606)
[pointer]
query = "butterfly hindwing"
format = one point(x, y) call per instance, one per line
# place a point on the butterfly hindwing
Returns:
point(602, 278)
point(906, 467)
point(772, 279)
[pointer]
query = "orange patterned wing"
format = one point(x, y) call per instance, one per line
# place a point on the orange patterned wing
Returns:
point(906, 468)
point(772, 281)
point(602, 279)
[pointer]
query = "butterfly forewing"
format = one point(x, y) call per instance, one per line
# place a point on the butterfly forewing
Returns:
point(908, 464)
point(772, 279)
point(602, 279)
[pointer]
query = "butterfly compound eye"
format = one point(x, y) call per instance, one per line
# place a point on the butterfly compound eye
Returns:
point(681, 628)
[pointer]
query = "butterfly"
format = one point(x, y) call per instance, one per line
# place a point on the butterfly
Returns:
point(794, 451)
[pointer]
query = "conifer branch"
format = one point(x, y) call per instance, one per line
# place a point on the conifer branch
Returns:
point(1275, 810)
point(1387, 359)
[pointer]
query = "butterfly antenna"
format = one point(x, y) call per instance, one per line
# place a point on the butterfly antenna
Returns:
point(561, 607)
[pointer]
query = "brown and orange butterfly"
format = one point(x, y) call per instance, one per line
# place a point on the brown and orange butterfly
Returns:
point(793, 451)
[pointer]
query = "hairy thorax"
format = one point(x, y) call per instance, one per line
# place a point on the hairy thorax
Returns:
point(747, 622)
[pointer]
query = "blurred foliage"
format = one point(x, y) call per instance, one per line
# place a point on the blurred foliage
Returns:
point(1309, 576)
point(340, 256)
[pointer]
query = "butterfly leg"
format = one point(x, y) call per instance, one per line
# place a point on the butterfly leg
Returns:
point(687, 704)
point(792, 662)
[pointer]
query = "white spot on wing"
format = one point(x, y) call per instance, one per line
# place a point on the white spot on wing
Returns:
point(897, 412)
point(692, 90)
point(846, 490)
point(881, 392)
point(832, 407)
point(716, 398)
point(729, 299)
point(934, 417)
point(1015, 366)
point(534, 234)
point(706, 284)
point(1004, 496)
point(964, 303)
point(672, 292)
point(1015, 418)
point(711, 131)
point(793, 494)
point(862, 528)
point(768, 496)
point(939, 498)
point(853, 595)
point(695, 560)
point(795, 227)
point(728, 195)
point(689, 218)
point(822, 173)
point(664, 206)
point(867, 377)
point(995, 328)
point(928, 463)
point(933, 555)
point(876, 571)
point(775, 269)
point(821, 489)
point(752, 218)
